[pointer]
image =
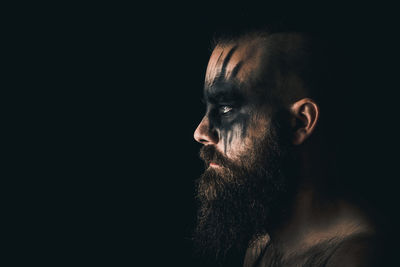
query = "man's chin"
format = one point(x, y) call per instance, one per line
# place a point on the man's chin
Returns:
point(207, 185)
point(225, 214)
point(239, 199)
point(215, 166)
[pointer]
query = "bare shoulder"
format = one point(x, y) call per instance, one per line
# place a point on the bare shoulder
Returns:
point(358, 250)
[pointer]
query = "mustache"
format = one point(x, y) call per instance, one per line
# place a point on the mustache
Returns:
point(210, 154)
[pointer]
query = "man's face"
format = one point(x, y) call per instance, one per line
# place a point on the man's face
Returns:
point(236, 115)
point(244, 151)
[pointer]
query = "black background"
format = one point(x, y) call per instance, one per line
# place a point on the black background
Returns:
point(117, 89)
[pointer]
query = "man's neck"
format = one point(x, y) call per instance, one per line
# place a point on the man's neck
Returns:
point(315, 220)
point(314, 223)
point(316, 216)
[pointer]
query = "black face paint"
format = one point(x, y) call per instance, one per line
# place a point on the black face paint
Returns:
point(221, 75)
point(233, 124)
point(227, 92)
point(236, 69)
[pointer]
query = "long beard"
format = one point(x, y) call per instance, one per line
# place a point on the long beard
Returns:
point(243, 199)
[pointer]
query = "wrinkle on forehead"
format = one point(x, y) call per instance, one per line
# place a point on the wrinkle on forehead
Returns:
point(244, 63)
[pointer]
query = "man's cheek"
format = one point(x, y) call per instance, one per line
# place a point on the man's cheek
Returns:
point(236, 143)
point(234, 130)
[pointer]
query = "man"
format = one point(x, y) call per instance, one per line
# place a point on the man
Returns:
point(266, 190)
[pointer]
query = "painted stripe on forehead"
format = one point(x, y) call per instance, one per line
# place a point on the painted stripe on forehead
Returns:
point(221, 75)
point(236, 69)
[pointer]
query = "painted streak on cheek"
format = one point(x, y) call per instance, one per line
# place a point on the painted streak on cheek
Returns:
point(232, 130)
point(231, 137)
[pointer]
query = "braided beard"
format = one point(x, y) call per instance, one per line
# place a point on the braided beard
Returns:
point(243, 198)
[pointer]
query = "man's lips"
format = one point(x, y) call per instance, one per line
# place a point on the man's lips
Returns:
point(212, 164)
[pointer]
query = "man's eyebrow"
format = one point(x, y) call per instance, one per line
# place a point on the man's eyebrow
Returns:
point(222, 94)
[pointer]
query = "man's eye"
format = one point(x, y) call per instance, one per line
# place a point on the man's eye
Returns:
point(224, 110)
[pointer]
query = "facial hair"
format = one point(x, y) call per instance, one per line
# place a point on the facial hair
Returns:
point(243, 198)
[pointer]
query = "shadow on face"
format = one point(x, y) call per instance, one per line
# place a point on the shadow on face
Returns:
point(235, 116)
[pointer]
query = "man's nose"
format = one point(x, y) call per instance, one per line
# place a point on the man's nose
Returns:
point(204, 133)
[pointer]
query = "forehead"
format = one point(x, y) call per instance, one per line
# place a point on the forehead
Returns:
point(239, 62)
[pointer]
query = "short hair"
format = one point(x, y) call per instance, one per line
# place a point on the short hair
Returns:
point(322, 62)
point(304, 56)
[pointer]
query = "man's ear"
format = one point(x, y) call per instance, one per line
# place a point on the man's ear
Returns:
point(306, 114)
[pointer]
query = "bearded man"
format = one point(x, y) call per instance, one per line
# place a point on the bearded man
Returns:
point(265, 192)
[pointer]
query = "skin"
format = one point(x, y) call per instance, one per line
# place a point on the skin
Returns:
point(236, 111)
point(232, 107)
point(236, 116)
